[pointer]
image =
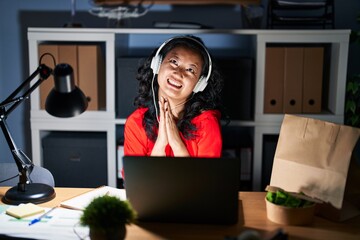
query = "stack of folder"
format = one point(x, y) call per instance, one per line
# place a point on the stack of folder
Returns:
point(293, 79)
point(89, 70)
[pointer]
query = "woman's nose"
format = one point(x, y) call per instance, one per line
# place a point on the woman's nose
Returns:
point(180, 71)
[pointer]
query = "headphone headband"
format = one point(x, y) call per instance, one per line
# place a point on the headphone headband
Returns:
point(157, 60)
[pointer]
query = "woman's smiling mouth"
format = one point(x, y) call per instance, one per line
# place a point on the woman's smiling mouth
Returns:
point(174, 83)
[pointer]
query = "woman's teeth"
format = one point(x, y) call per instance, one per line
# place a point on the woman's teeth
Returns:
point(175, 84)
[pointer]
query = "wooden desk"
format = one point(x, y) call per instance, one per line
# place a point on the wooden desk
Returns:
point(252, 215)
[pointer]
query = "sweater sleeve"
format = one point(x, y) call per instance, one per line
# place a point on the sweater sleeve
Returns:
point(210, 136)
point(135, 140)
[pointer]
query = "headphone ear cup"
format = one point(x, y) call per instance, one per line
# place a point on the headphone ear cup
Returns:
point(155, 63)
point(200, 85)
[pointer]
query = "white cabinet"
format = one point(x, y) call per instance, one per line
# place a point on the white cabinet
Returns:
point(120, 42)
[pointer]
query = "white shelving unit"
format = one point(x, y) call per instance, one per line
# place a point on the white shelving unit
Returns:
point(106, 121)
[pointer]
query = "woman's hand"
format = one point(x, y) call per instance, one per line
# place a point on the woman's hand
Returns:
point(173, 135)
point(162, 138)
point(168, 133)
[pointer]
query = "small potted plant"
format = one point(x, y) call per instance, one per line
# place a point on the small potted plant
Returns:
point(107, 216)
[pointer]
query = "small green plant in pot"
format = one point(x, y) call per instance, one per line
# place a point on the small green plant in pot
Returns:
point(107, 216)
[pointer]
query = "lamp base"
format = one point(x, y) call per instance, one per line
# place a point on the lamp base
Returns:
point(34, 193)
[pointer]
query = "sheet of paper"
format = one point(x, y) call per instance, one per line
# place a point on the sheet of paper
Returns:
point(3, 208)
point(81, 201)
point(58, 225)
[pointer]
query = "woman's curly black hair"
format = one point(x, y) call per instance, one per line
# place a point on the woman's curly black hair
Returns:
point(208, 99)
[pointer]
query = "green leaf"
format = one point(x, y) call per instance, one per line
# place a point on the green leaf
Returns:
point(281, 197)
point(271, 197)
point(292, 202)
point(350, 106)
point(355, 120)
point(352, 87)
point(107, 212)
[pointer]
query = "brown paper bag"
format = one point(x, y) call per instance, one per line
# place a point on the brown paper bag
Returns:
point(313, 157)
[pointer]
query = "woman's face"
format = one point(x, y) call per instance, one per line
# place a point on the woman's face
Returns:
point(179, 72)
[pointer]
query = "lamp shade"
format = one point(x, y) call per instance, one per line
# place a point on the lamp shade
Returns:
point(65, 99)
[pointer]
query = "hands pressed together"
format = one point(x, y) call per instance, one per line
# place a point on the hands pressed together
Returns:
point(168, 133)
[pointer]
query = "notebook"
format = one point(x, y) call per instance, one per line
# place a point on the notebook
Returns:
point(183, 190)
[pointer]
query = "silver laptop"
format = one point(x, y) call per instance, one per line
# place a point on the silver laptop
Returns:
point(183, 190)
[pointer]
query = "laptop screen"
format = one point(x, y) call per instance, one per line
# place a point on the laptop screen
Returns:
point(183, 189)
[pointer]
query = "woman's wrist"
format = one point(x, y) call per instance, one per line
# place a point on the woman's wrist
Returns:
point(158, 149)
point(180, 150)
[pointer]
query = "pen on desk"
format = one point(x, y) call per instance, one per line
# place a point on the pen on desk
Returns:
point(42, 216)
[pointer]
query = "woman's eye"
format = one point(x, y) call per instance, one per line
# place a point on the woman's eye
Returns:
point(173, 61)
point(191, 70)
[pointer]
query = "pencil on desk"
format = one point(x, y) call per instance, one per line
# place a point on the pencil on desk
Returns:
point(42, 216)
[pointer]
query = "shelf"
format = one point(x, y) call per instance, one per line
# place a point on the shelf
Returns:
point(297, 5)
point(240, 43)
point(187, 2)
point(289, 13)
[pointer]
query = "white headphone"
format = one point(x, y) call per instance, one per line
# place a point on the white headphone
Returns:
point(157, 60)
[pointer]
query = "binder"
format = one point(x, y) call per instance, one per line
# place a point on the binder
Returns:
point(62, 54)
point(313, 79)
point(68, 54)
point(293, 79)
point(91, 69)
point(47, 85)
point(274, 79)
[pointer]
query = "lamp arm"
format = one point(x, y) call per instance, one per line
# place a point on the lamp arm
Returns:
point(44, 72)
point(24, 164)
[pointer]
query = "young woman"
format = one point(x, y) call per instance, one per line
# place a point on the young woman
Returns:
point(178, 105)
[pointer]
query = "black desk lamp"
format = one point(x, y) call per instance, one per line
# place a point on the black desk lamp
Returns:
point(64, 100)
